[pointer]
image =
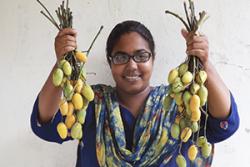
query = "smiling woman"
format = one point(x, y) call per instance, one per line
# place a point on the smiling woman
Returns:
point(129, 122)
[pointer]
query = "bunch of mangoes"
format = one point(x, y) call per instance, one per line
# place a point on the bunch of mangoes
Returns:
point(76, 95)
point(188, 90)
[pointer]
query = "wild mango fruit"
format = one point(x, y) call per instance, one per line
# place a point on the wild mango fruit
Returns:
point(187, 77)
point(63, 105)
point(77, 101)
point(67, 69)
point(61, 62)
point(70, 108)
point(186, 134)
point(186, 97)
point(62, 130)
point(201, 141)
point(194, 127)
point(194, 103)
point(173, 74)
point(167, 102)
point(181, 161)
point(194, 88)
point(57, 77)
point(68, 91)
point(196, 115)
point(201, 77)
point(70, 120)
point(203, 94)
point(182, 69)
point(178, 98)
point(206, 149)
point(79, 86)
point(87, 92)
point(175, 131)
point(81, 116)
point(80, 56)
point(75, 131)
point(177, 86)
point(192, 152)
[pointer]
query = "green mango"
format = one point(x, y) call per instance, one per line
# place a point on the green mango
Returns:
point(182, 69)
point(181, 161)
point(167, 103)
point(203, 94)
point(173, 74)
point(201, 141)
point(57, 77)
point(76, 130)
point(206, 149)
point(81, 116)
point(68, 91)
point(175, 131)
point(67, 69)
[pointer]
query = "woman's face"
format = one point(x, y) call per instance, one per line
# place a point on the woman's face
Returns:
point(132, 77)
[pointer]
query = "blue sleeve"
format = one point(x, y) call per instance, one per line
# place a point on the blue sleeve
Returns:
point(48, 130)
point(221, 129)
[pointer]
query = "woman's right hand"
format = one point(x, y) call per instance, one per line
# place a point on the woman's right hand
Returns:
point(65, 42)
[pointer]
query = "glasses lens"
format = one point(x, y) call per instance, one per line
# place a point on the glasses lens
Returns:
point(142, 57)
point(120, 58)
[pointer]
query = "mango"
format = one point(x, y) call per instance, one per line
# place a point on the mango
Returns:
point(61, 62)
point(186, 134)
point(181, 161)
point(62, 130)
point(68, 91)
point(173, 74)
point(167, 102)
point(175, 131)
point(70, 120)
point(194, 88)
point(178, 98)
point(201, 77)
point(67, 69)
point(203, 94)
point(182, 69)
point(70, 108)
point(186, 97)
point(194, 127)
point(87, 92)
point(81, 116)
point(57, 77)
point(194, 103)
point(196, 115)
point(77, 101)
point(201, 141)
point(76, 130)
point(79, 86)
point(192, 152)
point(206, 149)
point(177, 86)
point(63, 105)
point(80, 56)
point(187, 77)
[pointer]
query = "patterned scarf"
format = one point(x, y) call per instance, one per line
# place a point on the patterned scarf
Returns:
point(152, 142)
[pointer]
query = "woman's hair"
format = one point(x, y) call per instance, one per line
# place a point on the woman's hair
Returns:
point(127, 27)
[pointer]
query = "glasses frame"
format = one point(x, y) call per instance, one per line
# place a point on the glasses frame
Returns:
point(130, 57)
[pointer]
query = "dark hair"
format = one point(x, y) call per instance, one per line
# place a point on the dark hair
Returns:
point(127, 27)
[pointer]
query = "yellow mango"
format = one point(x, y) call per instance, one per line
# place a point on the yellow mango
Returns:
point(173, 74)
point(196, 115)
point(67, 69)
point(80, 56)
point(70, 120)
point(70, 108)
point(63, 105)
point(192, 152)
point(62, 130)
point(194, 103)
point(181, 161)
point(186, 134)
point(77, 101)
point(79, 86)
point(187, 77)
point(87, 92)
point(75, 131)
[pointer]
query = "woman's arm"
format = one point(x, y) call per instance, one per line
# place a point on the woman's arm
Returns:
point(50, 95)
point(219, 96)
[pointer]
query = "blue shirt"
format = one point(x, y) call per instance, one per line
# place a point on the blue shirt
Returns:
point(217, 131)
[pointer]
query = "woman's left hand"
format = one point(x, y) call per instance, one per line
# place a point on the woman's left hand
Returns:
point(197, 45)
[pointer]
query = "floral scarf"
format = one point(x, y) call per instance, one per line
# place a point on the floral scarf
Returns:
point(152, 142)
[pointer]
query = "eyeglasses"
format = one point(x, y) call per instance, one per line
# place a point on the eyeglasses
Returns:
point(123, 58)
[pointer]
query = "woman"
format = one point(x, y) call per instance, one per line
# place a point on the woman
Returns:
point(128, 122)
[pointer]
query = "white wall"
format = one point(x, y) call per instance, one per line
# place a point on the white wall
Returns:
point(27, 56)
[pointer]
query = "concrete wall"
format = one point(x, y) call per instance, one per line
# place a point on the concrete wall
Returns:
point(27, 56)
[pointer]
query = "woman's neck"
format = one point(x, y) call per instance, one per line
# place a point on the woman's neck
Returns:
point(133, 102)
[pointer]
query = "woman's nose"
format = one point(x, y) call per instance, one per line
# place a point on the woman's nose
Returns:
point(132, 64)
